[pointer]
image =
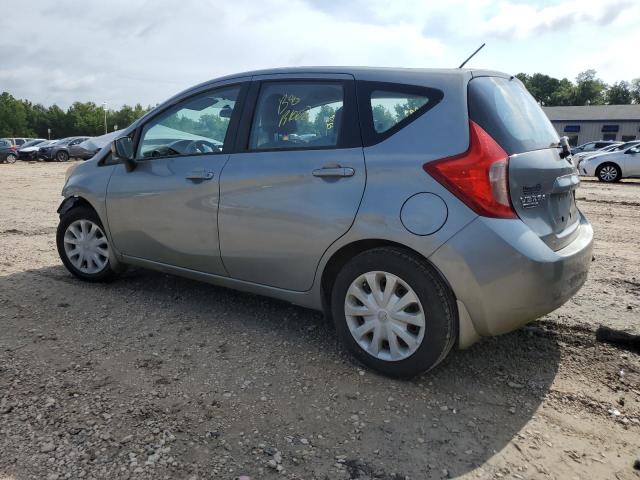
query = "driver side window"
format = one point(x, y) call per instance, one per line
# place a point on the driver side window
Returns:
point(196, 126)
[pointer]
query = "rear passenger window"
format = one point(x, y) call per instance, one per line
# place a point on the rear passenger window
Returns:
point(386, 108)
point(390, 108)
point(294, 115)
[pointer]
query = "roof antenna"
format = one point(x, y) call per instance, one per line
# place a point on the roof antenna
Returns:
point(472, 55)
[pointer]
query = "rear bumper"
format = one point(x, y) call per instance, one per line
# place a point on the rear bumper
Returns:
point(505, 276)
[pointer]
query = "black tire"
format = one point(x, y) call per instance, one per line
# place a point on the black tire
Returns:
point(11, 158)
point(603, 172)
point(81, 213)
point(62, 156)
point(441, 317)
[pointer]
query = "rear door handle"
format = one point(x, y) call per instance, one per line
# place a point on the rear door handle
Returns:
point(200, 175)
point(337, 171)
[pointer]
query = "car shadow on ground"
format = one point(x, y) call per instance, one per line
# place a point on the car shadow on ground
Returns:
point(272, 368)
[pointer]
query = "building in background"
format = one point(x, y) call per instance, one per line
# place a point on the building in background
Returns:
point(596, 122)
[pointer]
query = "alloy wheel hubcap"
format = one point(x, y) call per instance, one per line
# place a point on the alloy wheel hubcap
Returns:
point(608, 173)
point(11, 158)
point(384, 316)
point(86, 246)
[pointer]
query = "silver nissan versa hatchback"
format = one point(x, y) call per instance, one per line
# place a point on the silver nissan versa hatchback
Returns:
point(419, 209)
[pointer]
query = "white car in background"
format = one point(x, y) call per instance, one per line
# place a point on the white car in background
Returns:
point(582, 155)
point(613, 166)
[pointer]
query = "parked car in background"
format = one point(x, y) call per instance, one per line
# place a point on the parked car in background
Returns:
point(92, 145)
point(8, 151)
point(575, 159)
point(614, 148)
point(613, 166)
point(29, 150)
point(592, 146)
point(428, 209)
point(59, 151)
point(16, 141)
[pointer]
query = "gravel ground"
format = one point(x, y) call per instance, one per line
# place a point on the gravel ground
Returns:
point(155, 376)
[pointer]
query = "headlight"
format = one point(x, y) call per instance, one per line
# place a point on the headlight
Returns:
point(69, 172)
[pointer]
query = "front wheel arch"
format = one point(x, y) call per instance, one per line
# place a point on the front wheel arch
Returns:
point(73, 202)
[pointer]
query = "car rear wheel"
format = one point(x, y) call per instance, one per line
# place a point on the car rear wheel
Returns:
point(394, 312)
point(609, 172)
point(62, 156)
point(11, 158)
point(83, 246)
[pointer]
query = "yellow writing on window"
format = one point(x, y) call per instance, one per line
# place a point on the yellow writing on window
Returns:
point(330, 121)
point(285, 111)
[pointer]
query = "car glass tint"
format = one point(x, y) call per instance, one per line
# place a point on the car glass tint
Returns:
point(297, 115)
point(390, 108)
point(195, 126)
point(507, 112)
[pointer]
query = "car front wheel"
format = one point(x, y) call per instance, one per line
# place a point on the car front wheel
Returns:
point(62, 156)
point(83, 246)
point(394, 312)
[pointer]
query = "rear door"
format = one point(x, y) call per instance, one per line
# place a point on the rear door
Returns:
point(165, 211)
point(295, 184)
point(542, 184)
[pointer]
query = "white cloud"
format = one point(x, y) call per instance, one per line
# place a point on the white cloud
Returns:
point(128, 51)
point(526, 20)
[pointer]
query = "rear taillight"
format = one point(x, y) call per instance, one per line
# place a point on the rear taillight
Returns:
point(479, 177)
point(13, 147)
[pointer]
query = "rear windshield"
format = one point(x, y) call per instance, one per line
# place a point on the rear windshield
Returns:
point(507, 112)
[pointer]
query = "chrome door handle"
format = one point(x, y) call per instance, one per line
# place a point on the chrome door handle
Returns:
point(334, 172)
point(200, 175)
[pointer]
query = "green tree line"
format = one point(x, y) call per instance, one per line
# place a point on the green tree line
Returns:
point(587, 89)
point(22, 118)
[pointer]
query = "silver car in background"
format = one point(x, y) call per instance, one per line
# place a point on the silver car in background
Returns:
point(578, 157)
point(419, 209)
point(622, 162)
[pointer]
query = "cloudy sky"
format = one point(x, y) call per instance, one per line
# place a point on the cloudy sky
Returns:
point(128, 51)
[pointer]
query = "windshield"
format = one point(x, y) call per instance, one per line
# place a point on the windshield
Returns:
point(507, 112)
point(31, 143)
point(626, 145)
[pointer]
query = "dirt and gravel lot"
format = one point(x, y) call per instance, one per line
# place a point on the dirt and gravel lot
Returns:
point(155, 376)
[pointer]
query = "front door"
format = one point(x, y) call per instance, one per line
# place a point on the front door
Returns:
point(165, 210)
point(295, 186)
point(631, 165)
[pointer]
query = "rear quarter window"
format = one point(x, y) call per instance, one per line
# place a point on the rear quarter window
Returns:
point(505, 110)
point(386, 108)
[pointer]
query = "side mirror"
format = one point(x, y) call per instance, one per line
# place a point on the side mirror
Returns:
point(122, 149)
point(226, 112)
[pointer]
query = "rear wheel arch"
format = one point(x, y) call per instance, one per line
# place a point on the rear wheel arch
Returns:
point(340, 258)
